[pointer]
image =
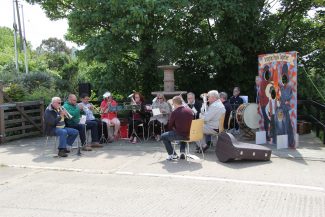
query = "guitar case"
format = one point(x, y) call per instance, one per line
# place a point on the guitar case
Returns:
point(228, 148)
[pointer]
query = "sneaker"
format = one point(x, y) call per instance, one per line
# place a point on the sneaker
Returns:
point(86, 148)
point(204, 149)
point(62, 153)
point(182, 156)
point(66, 150)
point(134, 140)
point(110, 140)
point(172, 157)
point(131, 139)
point(96, 145)
point(158, 137)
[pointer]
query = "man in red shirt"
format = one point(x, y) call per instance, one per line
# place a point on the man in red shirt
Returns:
point(180, 123)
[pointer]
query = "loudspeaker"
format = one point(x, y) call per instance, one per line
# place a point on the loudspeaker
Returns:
point(85, 88)
point(228, 148)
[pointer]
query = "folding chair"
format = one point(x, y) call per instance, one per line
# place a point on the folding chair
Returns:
point(196, 135)
point(55, 143)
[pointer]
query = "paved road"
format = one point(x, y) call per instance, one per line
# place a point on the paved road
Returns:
point(135, 180)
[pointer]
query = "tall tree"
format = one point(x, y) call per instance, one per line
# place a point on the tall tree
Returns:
point(216, 42)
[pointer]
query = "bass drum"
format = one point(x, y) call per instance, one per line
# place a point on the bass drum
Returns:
point(247, 115)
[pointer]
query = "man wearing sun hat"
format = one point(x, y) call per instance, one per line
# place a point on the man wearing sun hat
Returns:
point(109, 115)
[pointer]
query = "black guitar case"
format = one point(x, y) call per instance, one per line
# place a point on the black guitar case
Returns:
point(228, 148)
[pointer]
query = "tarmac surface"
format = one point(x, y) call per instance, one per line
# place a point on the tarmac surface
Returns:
point(124, 179)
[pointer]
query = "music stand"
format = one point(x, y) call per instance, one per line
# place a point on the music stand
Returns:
point(103, 138)
point(134, 108)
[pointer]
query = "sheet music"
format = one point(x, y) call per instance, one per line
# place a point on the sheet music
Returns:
point(156, 111)
point(194, 110)
point(82, 119)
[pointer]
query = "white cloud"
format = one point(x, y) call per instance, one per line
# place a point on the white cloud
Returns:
point(37, 25)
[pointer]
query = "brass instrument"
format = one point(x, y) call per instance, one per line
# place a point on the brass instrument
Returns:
point(67, 115)
point(133, 102)
point(204, 107)
point(97, 110)
point(107, 109)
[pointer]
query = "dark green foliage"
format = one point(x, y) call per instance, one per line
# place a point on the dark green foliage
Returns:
point(36, 80)
point(16, 92)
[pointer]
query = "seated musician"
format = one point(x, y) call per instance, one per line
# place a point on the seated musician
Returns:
point(136, 116)
point(194, 105)
point(211, 117)
point(223, 98)
point(88, 109)
point(74, 122)
point(109, 115)
point(162, 118)
point(235, 101)
point(55, 126)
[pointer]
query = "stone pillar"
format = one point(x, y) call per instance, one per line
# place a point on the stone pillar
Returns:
point(169, 81)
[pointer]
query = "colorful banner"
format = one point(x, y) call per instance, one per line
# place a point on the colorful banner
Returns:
point(277, 96)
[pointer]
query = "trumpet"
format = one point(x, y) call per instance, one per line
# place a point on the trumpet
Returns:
point(67, 115)
point(97, 110)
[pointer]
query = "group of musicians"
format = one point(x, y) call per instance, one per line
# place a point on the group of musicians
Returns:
point(161, 118)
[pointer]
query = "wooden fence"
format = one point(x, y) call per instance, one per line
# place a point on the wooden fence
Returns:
point(315, 113)
point(20, 119)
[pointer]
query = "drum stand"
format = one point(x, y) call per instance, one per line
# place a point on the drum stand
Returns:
point(103, 138)
point(248, 132)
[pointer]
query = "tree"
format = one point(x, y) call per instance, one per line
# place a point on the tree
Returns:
point(216, 42)
point(53, 45)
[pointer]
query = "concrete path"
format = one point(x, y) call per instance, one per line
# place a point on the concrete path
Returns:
point(124, 179)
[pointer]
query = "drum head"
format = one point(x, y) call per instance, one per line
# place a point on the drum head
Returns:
point(251, 116)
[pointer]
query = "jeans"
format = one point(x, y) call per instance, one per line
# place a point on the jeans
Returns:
point(82, 131)
point(66, 136)
point(170, 136)
point(93, 126)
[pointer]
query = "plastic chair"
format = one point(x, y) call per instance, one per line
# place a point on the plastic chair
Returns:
point(196, 135)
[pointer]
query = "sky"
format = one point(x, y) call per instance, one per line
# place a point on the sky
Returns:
point(37, 26)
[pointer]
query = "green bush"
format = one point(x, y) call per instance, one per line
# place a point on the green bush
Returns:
point(16, 92)
point(42, 93)
point(8, 72)
point(36, 80)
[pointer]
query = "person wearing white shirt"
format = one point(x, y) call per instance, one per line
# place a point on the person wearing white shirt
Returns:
point(211, 117)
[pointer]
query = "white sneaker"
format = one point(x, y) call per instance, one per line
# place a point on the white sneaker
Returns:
point(172, 157)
